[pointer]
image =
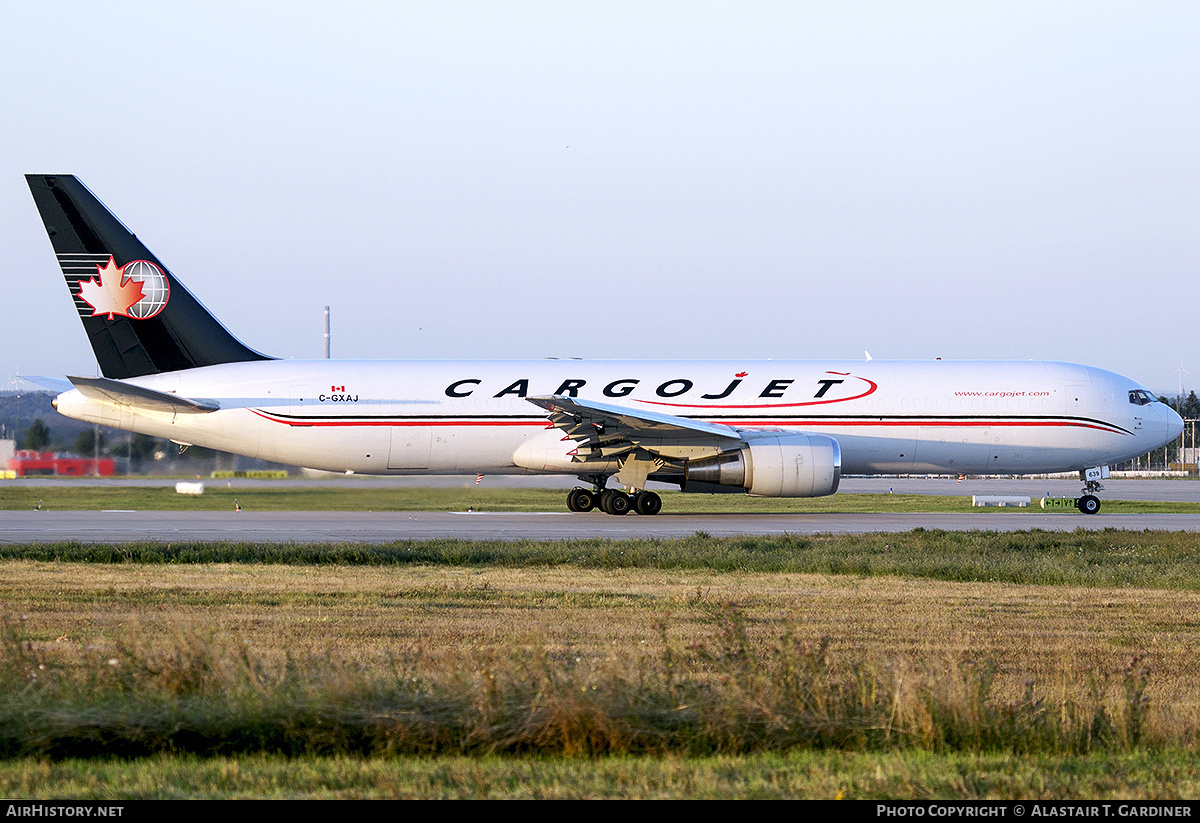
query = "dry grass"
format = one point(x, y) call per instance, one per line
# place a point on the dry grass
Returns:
point(935, 657)
point(1042, 632)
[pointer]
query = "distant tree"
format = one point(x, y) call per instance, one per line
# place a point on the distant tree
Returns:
point(142, 446)
point(37, 436)
point(1189, 409)
point(85, 443)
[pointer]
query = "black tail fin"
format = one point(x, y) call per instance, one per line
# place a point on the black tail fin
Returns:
point(139, 318)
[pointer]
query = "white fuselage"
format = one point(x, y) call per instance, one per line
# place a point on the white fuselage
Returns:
point(439, 417)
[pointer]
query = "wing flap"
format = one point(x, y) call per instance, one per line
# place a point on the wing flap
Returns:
point(607, 423)
point(638, 442)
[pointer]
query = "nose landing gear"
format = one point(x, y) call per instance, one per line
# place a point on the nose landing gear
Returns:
point(1088, 502)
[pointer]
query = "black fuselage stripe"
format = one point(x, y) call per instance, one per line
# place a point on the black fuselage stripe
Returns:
point(945, 421)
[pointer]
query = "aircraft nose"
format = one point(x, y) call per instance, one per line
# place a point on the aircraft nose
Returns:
point(1174, 424)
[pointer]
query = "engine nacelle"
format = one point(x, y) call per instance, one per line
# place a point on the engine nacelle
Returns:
point(782, 465)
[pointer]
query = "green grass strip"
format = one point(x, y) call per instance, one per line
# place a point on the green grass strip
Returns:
point(794, 775)
point(1107, 558)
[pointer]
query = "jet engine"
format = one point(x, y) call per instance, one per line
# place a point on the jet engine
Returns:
point(775, 465)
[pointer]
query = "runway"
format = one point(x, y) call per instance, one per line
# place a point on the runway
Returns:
point(383, 527)
point(19, 527)
point(1167, 490)
point(1115, 489)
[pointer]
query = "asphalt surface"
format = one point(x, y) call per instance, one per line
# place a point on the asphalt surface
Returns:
point(1169, 490)
point(382, 527)
point(1117, 489)
point(379, 527)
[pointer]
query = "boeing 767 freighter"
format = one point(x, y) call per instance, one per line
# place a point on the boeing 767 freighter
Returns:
point(775, 428)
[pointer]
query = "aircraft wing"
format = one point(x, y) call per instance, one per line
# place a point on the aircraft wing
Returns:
point(585, 420)
point(633, 446)
point(640, 442)
point(126, 394)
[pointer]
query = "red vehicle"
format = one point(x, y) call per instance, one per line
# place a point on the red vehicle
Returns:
point(26, 462)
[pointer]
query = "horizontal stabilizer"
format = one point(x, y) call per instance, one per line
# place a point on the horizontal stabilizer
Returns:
point(58, 385)
point(126, 394)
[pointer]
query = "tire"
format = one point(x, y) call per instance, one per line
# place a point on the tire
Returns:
point(584, 500)
point(615, 502)
point(647, 503)
point(1089, 504)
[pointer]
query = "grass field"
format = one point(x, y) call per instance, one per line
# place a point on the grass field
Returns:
point(800, 774)
point(927, 664)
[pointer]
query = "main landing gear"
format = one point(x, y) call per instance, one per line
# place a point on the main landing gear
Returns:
point(612, 501)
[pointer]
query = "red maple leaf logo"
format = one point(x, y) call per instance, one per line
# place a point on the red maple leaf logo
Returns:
point(110, 292)
point(741, 374)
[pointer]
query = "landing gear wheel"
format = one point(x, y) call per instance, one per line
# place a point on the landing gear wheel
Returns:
point(581, 500)
point(1089, 504)
point(615, 502)
point(647, 503)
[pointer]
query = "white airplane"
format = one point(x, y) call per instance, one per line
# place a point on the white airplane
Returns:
point(773, 428)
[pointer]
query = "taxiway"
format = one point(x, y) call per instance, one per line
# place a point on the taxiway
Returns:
point(381, 527)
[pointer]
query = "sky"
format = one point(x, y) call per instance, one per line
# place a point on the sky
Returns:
point(788, 180)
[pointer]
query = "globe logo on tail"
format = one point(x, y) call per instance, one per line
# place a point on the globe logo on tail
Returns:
point(139, 289)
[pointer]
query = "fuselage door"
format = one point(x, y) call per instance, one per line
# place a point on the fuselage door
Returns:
point(1079, 398)
point(410, 447)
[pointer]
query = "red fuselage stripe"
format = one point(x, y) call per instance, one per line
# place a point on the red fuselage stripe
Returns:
point(758, 423)
point(929, 423)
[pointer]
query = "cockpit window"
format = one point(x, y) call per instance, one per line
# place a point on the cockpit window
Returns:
point(1141, 397)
